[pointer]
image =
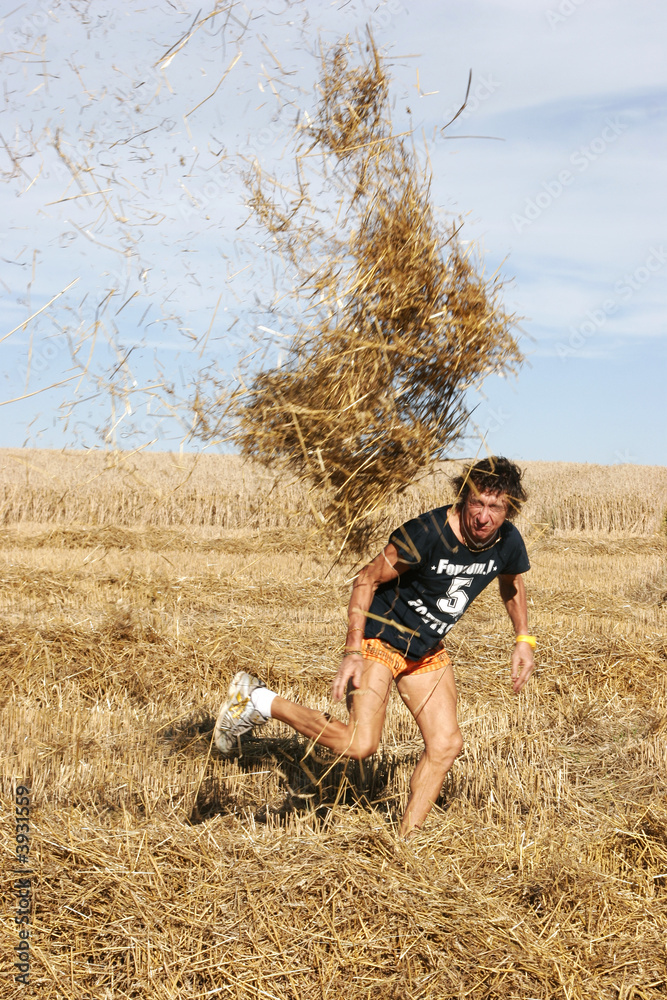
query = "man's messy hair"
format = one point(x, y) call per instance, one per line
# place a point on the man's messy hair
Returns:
point(491, 475)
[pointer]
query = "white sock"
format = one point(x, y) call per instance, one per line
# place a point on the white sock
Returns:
point(262, 699)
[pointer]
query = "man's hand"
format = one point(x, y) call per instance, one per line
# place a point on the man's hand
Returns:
point(523, 664)
point(351, 669)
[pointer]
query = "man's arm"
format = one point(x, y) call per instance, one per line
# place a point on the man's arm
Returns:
point(386, 566)
point(513, 594)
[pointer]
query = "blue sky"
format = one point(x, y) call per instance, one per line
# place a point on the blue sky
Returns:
point(557, 166)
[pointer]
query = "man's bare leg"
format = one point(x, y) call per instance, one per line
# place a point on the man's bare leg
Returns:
point(367, 706)
point(431, 698)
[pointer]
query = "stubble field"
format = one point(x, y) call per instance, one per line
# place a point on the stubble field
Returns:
point(133, 587)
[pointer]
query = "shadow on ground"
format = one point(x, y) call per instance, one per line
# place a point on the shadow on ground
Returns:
point(310, 780)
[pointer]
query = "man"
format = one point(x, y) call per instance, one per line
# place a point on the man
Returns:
point(403, 603)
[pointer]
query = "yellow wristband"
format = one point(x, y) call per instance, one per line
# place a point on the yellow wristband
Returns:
point(350, 652)
point(530, 639)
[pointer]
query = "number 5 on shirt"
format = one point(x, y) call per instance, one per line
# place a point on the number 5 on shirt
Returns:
point(457, 598)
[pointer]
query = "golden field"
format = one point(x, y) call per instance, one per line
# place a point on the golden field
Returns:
point(132, 587)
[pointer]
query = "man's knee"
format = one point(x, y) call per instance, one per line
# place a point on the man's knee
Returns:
point(446, 748)
point(361, 747)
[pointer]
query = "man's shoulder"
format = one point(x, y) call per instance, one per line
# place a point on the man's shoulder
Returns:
point(420, 533)
point(436, 517)
point(512, 549)
point(510, 533)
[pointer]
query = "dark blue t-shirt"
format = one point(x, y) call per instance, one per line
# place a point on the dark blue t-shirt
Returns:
point(413, 612)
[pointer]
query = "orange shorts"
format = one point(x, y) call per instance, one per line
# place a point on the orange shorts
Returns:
point(382, 652)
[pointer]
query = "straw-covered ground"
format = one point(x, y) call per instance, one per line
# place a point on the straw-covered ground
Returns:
point(128, 597)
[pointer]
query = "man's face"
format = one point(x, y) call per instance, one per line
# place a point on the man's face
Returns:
point(483, 514)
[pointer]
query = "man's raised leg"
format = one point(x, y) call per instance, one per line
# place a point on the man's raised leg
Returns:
point(367, 705)
point(431, 697)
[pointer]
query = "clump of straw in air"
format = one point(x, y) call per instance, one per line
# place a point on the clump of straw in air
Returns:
point(396, 320)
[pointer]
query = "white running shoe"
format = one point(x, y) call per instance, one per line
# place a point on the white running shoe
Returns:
point(238, 715)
